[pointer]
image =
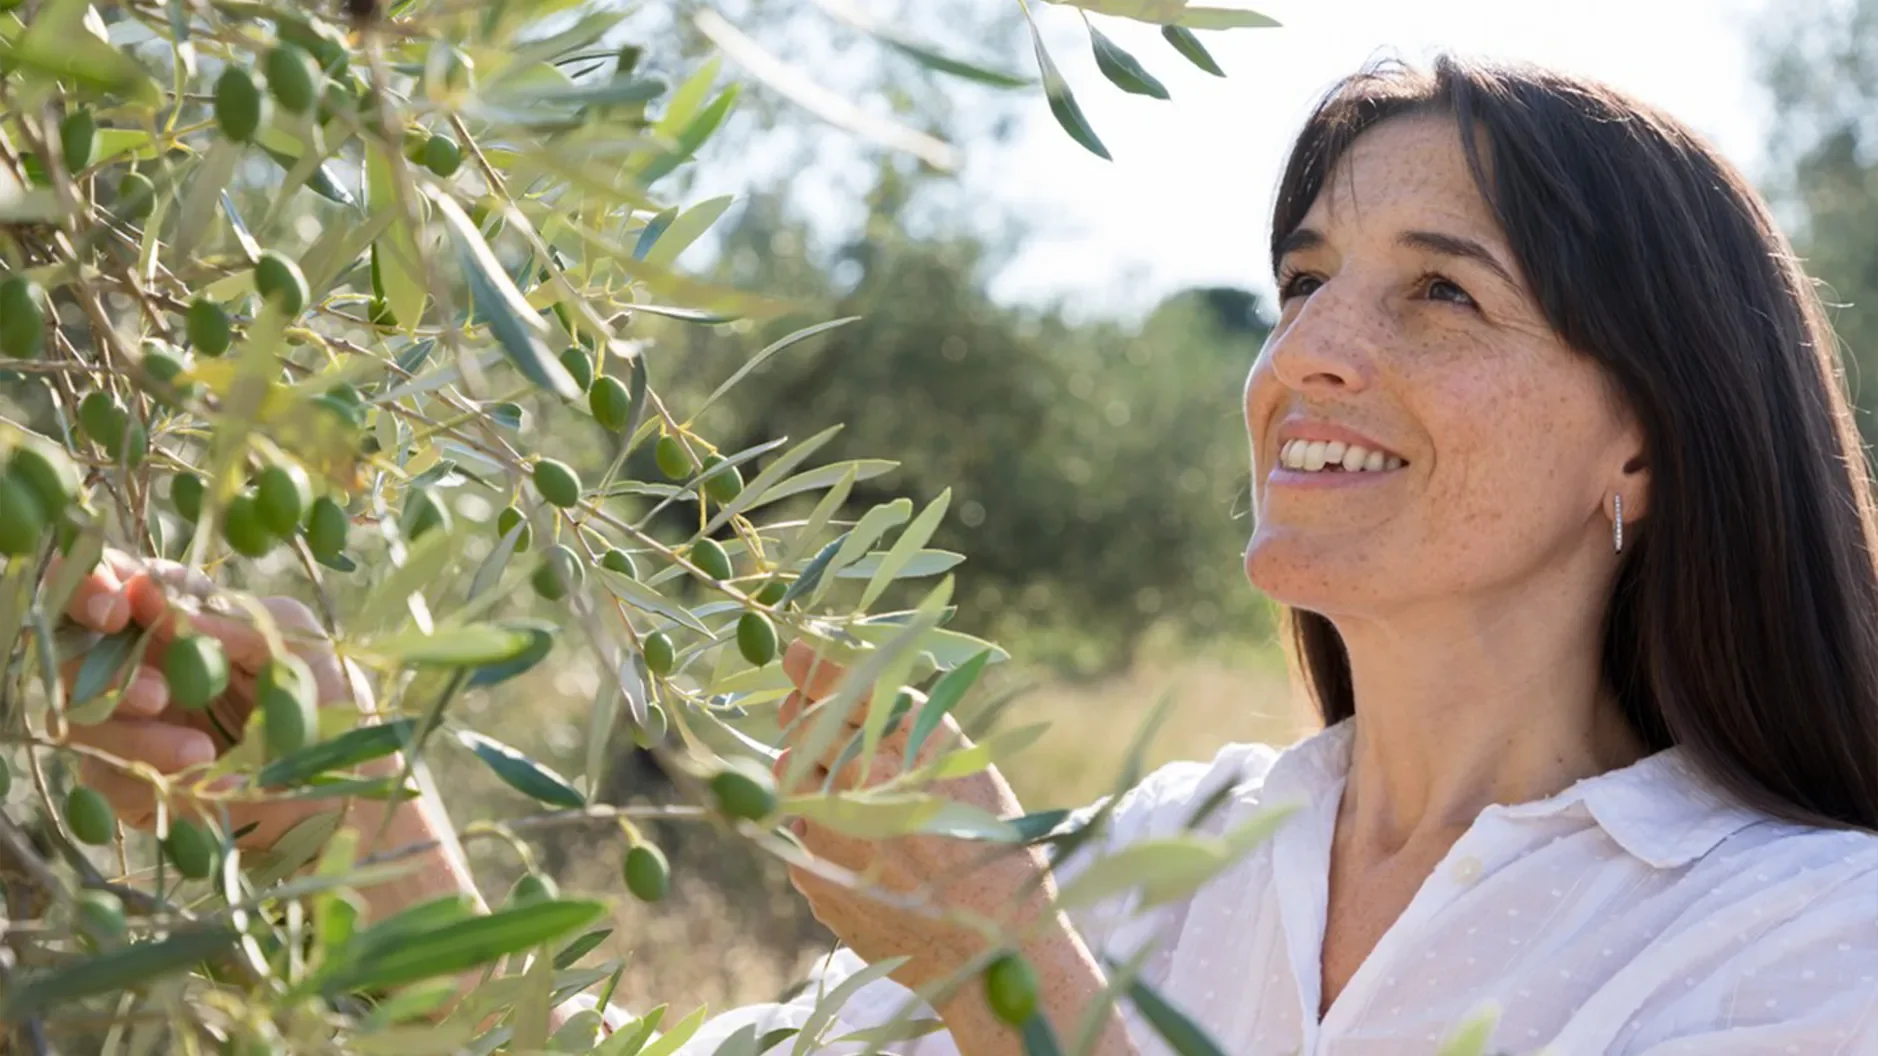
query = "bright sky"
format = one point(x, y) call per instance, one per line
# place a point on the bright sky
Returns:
point(1185, 200)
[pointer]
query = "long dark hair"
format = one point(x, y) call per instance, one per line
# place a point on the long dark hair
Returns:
point(1744, 623)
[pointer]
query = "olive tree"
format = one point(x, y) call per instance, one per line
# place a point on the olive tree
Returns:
point(347, 306)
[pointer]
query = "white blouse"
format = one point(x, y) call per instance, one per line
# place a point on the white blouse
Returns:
point(1637, 912)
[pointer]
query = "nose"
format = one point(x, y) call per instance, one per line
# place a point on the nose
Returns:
point(1326, 348)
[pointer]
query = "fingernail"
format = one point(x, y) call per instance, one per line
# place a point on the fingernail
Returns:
point(101, 609)
point(153, 684)
point(196, 751)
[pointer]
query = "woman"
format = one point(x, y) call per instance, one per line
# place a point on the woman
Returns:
point(1553, 467)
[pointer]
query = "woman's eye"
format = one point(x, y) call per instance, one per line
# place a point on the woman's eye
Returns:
point(1299, 286)
point(1439, 289)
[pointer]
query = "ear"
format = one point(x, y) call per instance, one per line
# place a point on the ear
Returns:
point(1631, 479)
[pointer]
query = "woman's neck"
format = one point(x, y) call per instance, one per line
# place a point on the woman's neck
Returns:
point(1462, 706)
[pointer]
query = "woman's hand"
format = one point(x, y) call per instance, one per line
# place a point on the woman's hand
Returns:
point(1012, 888)
point(167, 599)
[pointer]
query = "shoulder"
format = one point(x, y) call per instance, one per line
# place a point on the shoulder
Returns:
point(1166, 800)
point(1779, 947)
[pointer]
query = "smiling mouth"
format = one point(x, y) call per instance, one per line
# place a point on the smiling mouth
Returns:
point(1334, 456)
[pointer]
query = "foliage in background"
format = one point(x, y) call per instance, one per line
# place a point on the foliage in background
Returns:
point(368, 309)
point(1820, 65)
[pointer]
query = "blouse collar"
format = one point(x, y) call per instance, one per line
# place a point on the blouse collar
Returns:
point(1661, 809)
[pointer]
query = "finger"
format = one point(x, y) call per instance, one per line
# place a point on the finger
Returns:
point(146, 696)
point(158, 582)
point(164, 746)
point(99, 603)
point(811, 672)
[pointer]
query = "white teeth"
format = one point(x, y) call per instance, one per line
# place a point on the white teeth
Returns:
point(1313, 456)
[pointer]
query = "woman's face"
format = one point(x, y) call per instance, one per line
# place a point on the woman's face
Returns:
point(1418, 431)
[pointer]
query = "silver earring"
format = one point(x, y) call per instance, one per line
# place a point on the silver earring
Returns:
point(1617, 523)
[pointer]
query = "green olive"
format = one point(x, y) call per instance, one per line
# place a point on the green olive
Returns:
point(242, 526)
point(560, 569)
point(292, 78)
point(744, 789)
point(196, 670)
point(101, 914)
point(648, 874)
point(772, 592)
point(48, 472)
point(610, 403)
point(186, 493)
point(285, 692)
point(190, 848)
point(659, 653)
point(239, 105)
point(557, 482)
point(442, 156)
point(327, 527)
point(103, 418)
point(672, 458)
point(533, 888)
point(208, 328)
point(278, 280)
point(653, 732)
point(723, 484)
point(90, 816)
point(620, 561)
point(506, 522)
point(22, 519)
point(22, 318)
point(78, 138)
point(1011, 989)
point(756, 638)
point(709, 556)
point(579, 366)
point(136, 197)
point(281, 496)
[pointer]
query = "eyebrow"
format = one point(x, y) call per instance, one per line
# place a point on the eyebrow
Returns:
point(1430, 241)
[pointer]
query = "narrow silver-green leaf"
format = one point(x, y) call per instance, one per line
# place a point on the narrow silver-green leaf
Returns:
point(1191, 49)
point(945, 696)
point(920, 52)
point(1225, 18)
point(348, 749)
point(520, 772)
point(464, 944)
point(654, 230)
point(832, 1002)
point(687, 228)
point(771, 474)
point(904, 548)
point(114, 970)
point(471, 645)
point(1062, 101)
point(763, 356)
point(640, 596)
point(540, 634)
point(517, 328)
point(1175, 1027)
point(1123, 70)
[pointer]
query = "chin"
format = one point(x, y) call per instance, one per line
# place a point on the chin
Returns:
point(1304, 573)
